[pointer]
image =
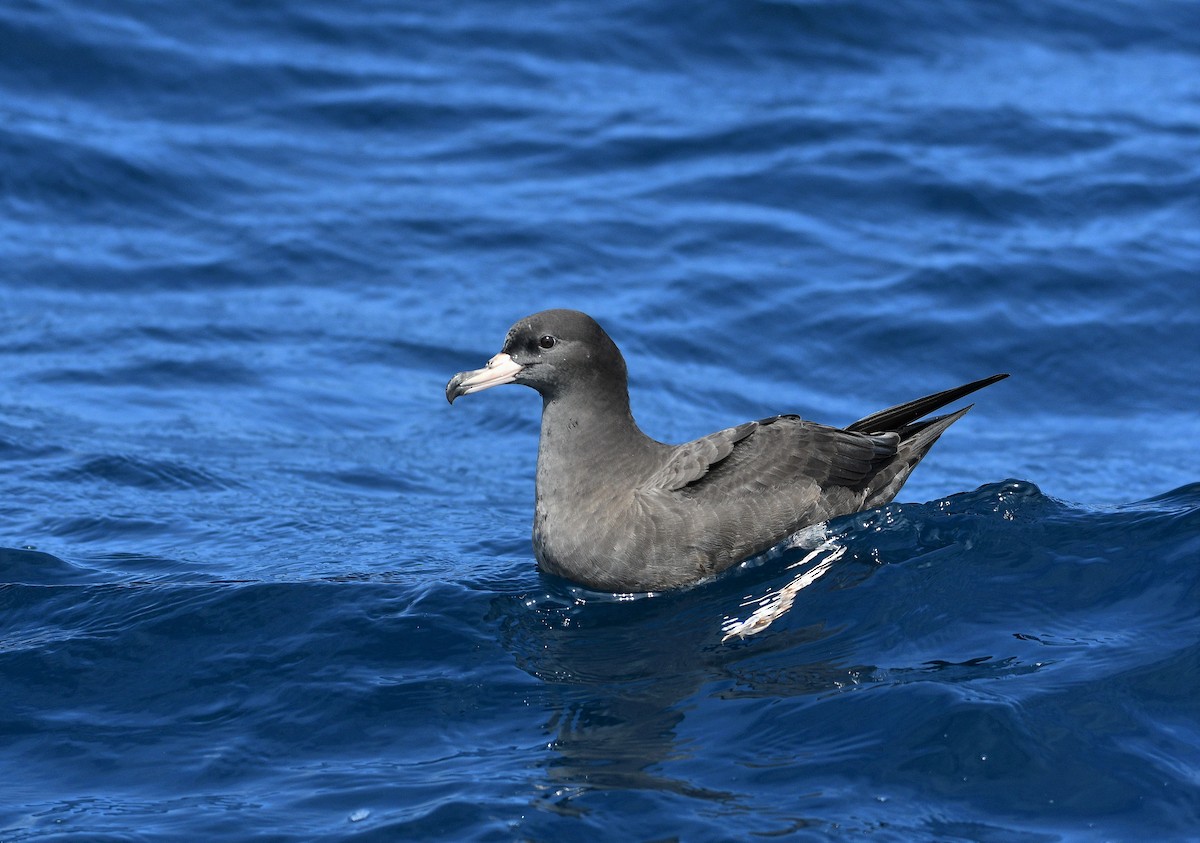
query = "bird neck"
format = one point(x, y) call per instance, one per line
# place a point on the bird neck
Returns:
point(582, 435)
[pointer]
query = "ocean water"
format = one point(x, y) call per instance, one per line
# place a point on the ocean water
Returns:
point(258, 581)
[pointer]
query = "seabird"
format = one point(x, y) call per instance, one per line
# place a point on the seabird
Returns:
point(618, 511)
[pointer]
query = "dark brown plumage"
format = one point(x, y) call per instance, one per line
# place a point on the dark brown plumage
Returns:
point(619, 511)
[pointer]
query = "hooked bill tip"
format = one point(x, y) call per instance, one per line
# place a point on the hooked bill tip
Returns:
point(499, 370)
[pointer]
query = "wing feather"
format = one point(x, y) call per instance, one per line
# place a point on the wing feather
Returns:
point(692, 460)
point(773, 452)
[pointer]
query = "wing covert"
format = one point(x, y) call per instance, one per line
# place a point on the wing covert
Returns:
point(774, 452)
point(692, 460)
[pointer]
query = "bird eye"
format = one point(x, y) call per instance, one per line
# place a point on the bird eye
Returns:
point(547, 342)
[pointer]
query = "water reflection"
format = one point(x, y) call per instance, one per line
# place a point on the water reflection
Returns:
point(622, 672)
point(776, 604)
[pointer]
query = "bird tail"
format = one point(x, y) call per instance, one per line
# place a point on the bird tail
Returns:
point(915, 441)
point(916, 436)
point(895, 418)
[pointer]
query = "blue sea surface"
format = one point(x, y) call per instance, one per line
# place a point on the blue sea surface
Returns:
point(258, 581)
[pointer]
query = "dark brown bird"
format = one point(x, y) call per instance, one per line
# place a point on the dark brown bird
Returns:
point(618, 511)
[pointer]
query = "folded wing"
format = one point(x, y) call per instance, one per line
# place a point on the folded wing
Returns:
point(773, 452)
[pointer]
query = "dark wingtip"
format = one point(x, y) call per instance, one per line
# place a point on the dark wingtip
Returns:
point(896, 417)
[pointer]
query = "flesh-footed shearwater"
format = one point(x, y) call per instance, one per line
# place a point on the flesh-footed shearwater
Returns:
point(618, 511)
